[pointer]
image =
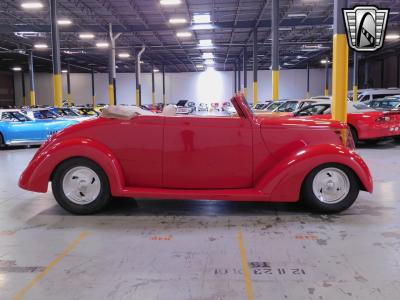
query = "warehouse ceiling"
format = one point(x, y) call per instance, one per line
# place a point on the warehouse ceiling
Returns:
point(305, 33)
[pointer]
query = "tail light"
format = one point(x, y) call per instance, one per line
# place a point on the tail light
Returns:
point(383, 119)
point(346, 138)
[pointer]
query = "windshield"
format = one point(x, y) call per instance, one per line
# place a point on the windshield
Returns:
point(66, 112)
point(288, 106)
point(44, 114)
point(273, 106)
point(260, 106)
point(182, 102)
point(14, 116)
point(390, 103)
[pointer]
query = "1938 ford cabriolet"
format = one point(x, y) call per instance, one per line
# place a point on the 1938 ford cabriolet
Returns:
point(243, 157)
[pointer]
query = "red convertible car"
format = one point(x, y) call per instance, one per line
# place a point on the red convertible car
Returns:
point(242, 157)
point(366, 124)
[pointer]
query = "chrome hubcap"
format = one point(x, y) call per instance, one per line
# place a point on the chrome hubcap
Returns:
point(331, 185)
point(81, 185)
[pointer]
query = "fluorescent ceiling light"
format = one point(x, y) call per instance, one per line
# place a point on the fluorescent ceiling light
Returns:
point(207, 55)
point(199, 66)
point(124, 55)
point(301, 15)
point(102, 45)
point(394, 13)
point(323, 61)
point(285, 28)
point(177, 21)
point(301, 57)
point(205, 43)
point(64, 22)
point(203, 27)
point(32, 5)
point(64, 71)
point(17, 69)
point(209, 61)
point(288, 64)
point(184, 34)
point(156, 70)
point(86, 36)
point(40, 46)
point(170, 2)
point(392, 36)
point(201, 19)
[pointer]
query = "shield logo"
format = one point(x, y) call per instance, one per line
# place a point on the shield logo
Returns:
point(365, 27)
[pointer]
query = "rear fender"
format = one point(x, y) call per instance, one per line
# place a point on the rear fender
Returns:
point(39, 171)
point(284, 181)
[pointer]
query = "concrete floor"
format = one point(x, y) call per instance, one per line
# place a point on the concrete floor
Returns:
point(197, 249)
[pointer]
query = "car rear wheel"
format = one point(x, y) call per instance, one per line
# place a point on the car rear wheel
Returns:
point(2, 141)
point(80, 186)
point(330, 188)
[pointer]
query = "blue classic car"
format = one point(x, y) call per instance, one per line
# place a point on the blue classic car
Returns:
point(18, 129)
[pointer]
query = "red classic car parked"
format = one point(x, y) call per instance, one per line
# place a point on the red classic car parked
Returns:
point(242, 157)
point(365, 123)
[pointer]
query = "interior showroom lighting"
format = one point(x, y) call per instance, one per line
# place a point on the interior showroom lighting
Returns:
point(205, 43)
point(32, 5)
point(183, 34)
point(324, 61)
point(208, 55)
point(64, 22)
point(86, 36)
point(170, 2)
point(201, 19)
point(301, 15)
point(124, 55)
point(156, 70)
point(40, 46)
point(17, 69)
point(392, 36)
point(177, 21)
point(101, 45)
point(64, 71)
point(200, 66)
point(209, 61)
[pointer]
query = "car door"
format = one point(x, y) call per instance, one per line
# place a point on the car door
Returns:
point(207, 152)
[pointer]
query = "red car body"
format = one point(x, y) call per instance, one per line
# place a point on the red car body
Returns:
point(245, 157)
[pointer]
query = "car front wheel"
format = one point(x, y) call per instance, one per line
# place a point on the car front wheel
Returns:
point(80, 186)
point(330, 188)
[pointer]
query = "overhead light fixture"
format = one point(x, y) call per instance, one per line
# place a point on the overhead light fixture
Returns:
point(202, 27)
point(86, 36)
point(64, 22)
point(394, 13)
point(124, 55)
point(156, 70)
point(201, 19)
point(102, 45)
point(170, 2)
point(200, 66)
point(285, 28)
point(64, 71)
point(40, 46)
point(300, 15)
point(32, 5)
point(207, 55)
point(17, 69)
point(324, 61)
point(392, 36)
point(209, 61)
point(184, 34)
point(177, 21)
point(301, 57)
point(288, 64)
point(205, 43)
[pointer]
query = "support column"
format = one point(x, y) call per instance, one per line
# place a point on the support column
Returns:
point(112, 71)
point(153, 88)
point(308, 95)
point(245, 72)
point(163, 84)
point(138, 85)
point(255, 67)
point(69, 97)
point(326, 77)
point(275, 50)
point(23, 87)
point(32, 93)
point(355, 77)
point(93, 90)
point(239, 76)
point(55, 41)
point(340, 71)
point(235, 77)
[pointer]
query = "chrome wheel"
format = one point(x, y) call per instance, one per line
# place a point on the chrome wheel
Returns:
point(331, 185)
point(81, 185)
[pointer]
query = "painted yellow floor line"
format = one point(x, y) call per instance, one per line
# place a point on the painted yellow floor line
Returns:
point(245, 265)
point(42, 274)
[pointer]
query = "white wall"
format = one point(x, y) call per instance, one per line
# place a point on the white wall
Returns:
point(209, 86)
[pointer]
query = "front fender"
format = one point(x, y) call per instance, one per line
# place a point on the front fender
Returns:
point(283, 182)
point(38, 173)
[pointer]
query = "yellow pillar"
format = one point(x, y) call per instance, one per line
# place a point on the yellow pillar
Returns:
point(32, 98)
point(355, 93)
point(94, 101)
point(137, 97)
point(111, 94)
point(153, 99)
point(275, 85)
point(24, 100)
point(69, 99)
point(255, 93)
point(340, 75)
point(57, 90)
point(245, 92)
